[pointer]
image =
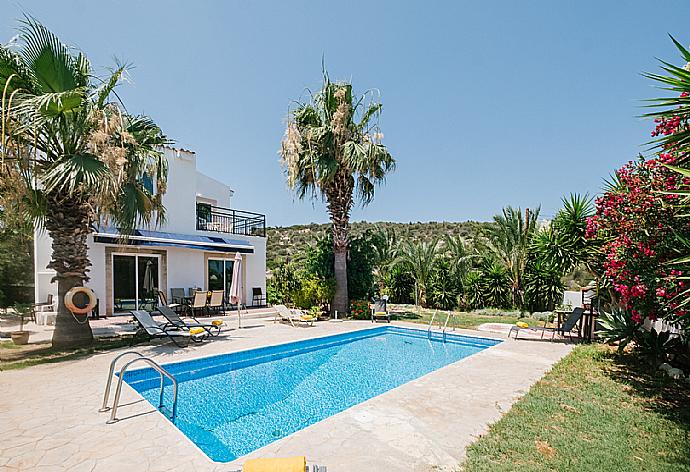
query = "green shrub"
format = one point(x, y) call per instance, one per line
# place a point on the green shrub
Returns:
point(313, 291)
point(474, 292)
point(444, 290)
point(495, 285)
point(543, 287)
point(399, 286)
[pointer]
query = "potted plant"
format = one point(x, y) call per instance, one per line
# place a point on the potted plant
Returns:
point(21, 337)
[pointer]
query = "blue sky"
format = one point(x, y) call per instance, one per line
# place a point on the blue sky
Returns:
point(485, 103)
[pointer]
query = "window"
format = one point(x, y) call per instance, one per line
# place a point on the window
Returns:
point(147, 182)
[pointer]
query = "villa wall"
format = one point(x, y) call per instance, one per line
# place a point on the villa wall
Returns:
point(184, 268)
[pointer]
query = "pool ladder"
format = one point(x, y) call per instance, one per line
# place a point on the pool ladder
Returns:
point(445, 325)
point(139, 358)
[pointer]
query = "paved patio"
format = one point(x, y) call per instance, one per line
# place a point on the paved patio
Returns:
point(49, 418)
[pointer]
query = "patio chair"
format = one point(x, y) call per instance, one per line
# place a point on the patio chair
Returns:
point(566, 327)
point(48, 305)
point(199, 303)
point(156, 330)
point(162, 300)
point(217, 301)
point(284, 313)
point(380, 310)
point(177, 295)
point(258, 296)
point(174, 320)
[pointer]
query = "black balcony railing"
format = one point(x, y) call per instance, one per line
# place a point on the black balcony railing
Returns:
point(227, 220)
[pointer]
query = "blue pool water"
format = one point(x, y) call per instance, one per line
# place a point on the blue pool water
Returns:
point(232, 404)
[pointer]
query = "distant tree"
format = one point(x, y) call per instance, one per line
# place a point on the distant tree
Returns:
point(563, 244)
point(282, 284)
point(495, 285)
point(543, 286)
point(400, 285)
point(473, 296)
point(444, 287)
point(16, 256)
point(360, 270)
point(509, 242)
point(420, 259)
point(460, 256)
point(386, 248)
point(332, 148)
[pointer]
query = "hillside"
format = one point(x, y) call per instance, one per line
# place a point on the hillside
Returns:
point(290, 242)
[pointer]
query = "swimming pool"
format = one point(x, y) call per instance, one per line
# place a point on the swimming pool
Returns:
point(232, 404)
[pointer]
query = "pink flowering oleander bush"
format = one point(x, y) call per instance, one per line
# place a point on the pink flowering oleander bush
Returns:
point(640, 227)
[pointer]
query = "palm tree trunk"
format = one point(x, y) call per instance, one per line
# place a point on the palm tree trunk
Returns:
point(68, 226)
point(339, 205)
point(340, 299)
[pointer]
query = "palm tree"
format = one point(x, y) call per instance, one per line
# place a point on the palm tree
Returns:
point(563, 245)
point(332, 148)
point(72, 157)
point(420, 259)
point(385, 254)
point(509, 241)
point(460, 256)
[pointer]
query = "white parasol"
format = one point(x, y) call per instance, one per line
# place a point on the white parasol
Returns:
point(235, 286)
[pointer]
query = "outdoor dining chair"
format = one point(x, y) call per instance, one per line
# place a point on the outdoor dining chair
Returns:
point(258, 296)
point(162, 300)
point(199, 303)
point(217, 302)
point(177, 295)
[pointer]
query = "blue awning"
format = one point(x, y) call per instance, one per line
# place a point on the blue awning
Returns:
point(142, 237)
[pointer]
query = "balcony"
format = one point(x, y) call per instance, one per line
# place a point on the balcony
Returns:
point(227, 220)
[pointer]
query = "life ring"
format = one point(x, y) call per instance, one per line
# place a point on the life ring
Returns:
point(69, 303)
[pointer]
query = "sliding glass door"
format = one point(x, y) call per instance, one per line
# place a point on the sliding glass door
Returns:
point(220, 274)
point(135, 282)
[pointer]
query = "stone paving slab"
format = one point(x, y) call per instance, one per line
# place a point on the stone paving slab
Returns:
point(49, 419)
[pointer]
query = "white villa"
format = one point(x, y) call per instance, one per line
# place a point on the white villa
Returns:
point(195, 248)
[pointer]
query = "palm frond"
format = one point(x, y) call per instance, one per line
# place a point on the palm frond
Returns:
point(81, 173)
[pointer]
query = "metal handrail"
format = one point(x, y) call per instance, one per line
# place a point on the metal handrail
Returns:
point(431, 322)
point(109, 382)
point(445, 325)
point(161, 371)
point(228, 220)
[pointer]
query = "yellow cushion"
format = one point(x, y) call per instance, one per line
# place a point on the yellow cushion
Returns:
point(288, 464)
point(217, 322)
point(308, 317)
point(521, 324)
point(194, 331)
point(381, 313)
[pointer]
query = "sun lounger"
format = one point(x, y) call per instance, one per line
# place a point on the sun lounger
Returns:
point(174, 320)
point(566, 327)
point(275, 464)
point(156, 330)
point(284, 313)
point(380, 310)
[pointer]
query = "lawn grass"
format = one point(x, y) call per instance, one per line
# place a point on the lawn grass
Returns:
point(595, 411)
point(45, 354)
point(462, 319)
point(9, 345)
